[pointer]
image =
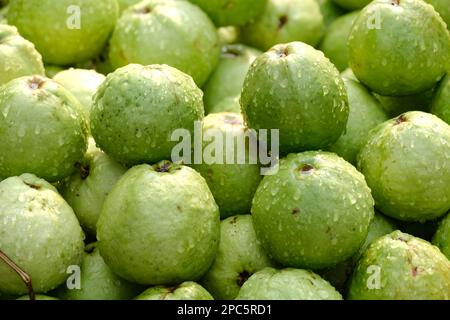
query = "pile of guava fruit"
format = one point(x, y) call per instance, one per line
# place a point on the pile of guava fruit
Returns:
point(335, 183)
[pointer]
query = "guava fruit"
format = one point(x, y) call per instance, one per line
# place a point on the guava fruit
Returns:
point(87, 188)
point(314, 212)
point(228, 35)
point(40, 233)
point(42, 129)
point(443, 8)
point(442, 236)
point(395, 106)
point(52, 70)
point(82, 84)
point(227, 105)
point(97, 281)
point(334, 44)
point(65, 31)
point(188, 290)
point(440, 105)
point(232, 13)
point(239, 256)
point(406, 164)
point(399, 266)
point(157, 32)
point(330, 11)
point(227, 79)
point(295, 89)
point(365, 114)
point(18, 57)
point(137, 108)
point(159, 225)
point(352, 4)
point(287, 284)
point(38, 297)
point(233, 185)
point(399, 48)
point(125, 4)
point(285, 21)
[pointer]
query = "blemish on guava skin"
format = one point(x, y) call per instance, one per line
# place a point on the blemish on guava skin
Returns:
point(306, 168)
point(179, 208)
point(36, 83)
point(282, 21)
point(414, 271)
point(83, 170)
point(283, 52)
point(243, 276)
point(400, 119)
point(233, 221)
point(295, 211)
point(144, 10)
point(33, 186)
point(395, 2)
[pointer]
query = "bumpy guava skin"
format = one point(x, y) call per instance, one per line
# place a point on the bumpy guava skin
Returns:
point(330, 11)
point(442, 236)
point(124, 4)
point(440, 105)
point(352, 4)
point(188, 290)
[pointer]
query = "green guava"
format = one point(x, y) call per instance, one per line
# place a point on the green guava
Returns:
point(82, 84)
point(295, 89)
point(330, 11)
point(285, 21)
point(442, 236)
point(287, 284)
point(65, 31)
point(443, 8)
point(159, 225)
point(399, 48)
point(334, 44)
point(176, 33)
point(228, 35)
point(395, 106)
point(227, 105)
point(352, 4)
point(52, 70)
point(137, 108)
point(38, 297)
point(18, 57)
point(239, 256)
point(186, 291)
point(228, 78)
point(125, 4)
point(42, 129)
point(406, 164)
point(233, 185)
point(86, 190)
point(40, 233)
point(365, 114)
point(97, 281)
point(440, 105)
point(314, 212)
point(399, 266)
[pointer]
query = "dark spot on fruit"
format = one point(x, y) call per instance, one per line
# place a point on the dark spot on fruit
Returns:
point(282, 21)
point(306, 168)
point(164, 167)
point(233, 221)
point(243, 276)
point(172, 289)
point(282, 51)
point(414, 271)
point(295, 211)
point(179, 208)
point(328, 230)
point(310, 281)
point(33, 186)
point(36, 83)
point(77, 195)
point(231, 52)
point(400, 119)
point(84, 170)
point(395, 2)
point(401, 239)
point(144, 10)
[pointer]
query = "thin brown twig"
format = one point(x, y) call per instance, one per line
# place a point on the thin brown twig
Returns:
point(22, 274)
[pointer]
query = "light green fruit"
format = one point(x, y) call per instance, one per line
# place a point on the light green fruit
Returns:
point(399, 48)
point(335, 43)
point(40, 233)
point(232, 184)
point(38, 297)
point(159, 225)
point(86, 190)
point(239, 256)
point(125, 4)
point(365, 114)
point(443, 8)
point(228, 78)
point(295, 89)
point(352, 4)
point(330, 11)
point(314, 212)
point(228, 35)
point(42, 129)
point(231, 104)
point(287, 284)
point(395, 106)
point(176, 33)
point(65, 31)
point(440, 105)
point(399, 266)
point(406, 164)
point(82, 84)
point(97, 281)
point(442, 236)
point(186, 291)
point(51, 70)
point(285, 21)
point(18, 57)
point(137, 108)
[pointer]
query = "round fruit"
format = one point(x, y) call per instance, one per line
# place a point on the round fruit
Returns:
point(330, 11)
point(442, 236)
point(352, 4)
point(441, 100)
point(186, 291)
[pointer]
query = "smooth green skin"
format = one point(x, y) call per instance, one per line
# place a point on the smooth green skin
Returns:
point(408, 54)
point(161, 36)
point(232, 185)
point(45, 23)
point(18, 57)
point(312, 219)
point(411, 269)
point(38, 297)
point(442, 236)
point(125, 4)
point(335, 43)
point(186, 291)
point(98, 282)
point(239, 256)
point(40, 233)
point(365, 114)
point(137, 108)
point(440, 105)
point(330, 11)
point(406, 164)
point(86, 190)
point(285, 21)
point(52, 70)
point(352, 4)
point(287, 284)
point(159, 228)
point(443, 8)
point(395, 106)
point(42, 129)
point(227, 105)
point(232, 12)
point(82, 83)
point(228, 78)
point(295, 89)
